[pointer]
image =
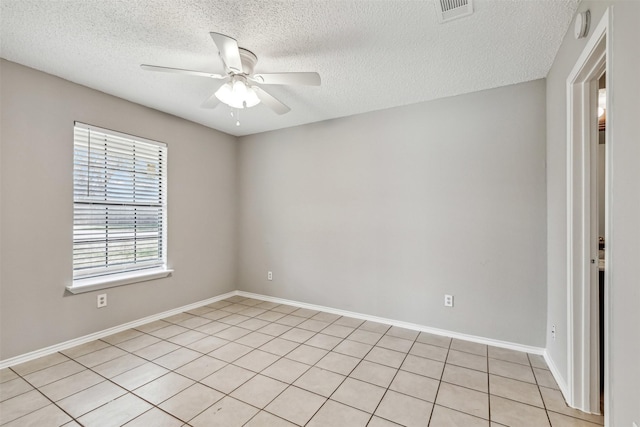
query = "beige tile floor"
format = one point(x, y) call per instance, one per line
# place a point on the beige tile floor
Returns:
point(246, 362)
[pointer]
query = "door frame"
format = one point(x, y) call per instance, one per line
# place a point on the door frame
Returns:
point(582, 133)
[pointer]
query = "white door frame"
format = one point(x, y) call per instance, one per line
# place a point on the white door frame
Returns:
point(583, 334)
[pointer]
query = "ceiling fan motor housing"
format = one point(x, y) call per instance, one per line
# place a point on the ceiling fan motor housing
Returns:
point(248, 60)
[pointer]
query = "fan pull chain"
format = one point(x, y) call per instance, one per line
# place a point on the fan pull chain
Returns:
point(236, 115)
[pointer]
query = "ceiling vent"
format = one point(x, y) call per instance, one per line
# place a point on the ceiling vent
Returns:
point(448, 10)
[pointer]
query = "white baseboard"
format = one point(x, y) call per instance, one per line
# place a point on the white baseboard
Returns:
point(407, 325)
point(97, 335)
point(564, 388)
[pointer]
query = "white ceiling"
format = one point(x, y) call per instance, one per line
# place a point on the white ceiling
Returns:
point(370, 55)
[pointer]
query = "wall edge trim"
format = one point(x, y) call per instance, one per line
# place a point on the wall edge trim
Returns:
point(422, 328)
point(26, 357)
point(562, 383)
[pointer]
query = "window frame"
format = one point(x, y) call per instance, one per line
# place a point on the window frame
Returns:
point(106, 277)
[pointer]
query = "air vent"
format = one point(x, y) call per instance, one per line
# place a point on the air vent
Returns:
point(448, 10)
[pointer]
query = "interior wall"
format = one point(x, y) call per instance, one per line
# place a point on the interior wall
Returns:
point(386, 212)
point(623, 241)
point(36, 219)
point(557, 189)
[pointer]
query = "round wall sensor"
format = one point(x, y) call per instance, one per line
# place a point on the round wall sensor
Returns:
point(581, 28)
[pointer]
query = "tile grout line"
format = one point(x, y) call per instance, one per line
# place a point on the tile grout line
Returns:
point(444, 366)
point(166, 339)
point(345, 376)
point(489, 386)
point(289, 385)
point(127, 391)
point(105, 378)
point(253, 348)
point(232, 363)
point(292, 383)
point(41, 393)
point(544, 404)
point(395, 375)
point(358, 364)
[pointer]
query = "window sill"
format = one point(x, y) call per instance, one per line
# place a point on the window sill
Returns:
point(111, 281)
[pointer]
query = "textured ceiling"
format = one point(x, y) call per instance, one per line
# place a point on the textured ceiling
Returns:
point(371, 55)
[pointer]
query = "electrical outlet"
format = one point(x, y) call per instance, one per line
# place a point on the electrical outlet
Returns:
point(553, 332)
point(269, 275)
point(102, 300)
point(448, 300)
point(634, 425)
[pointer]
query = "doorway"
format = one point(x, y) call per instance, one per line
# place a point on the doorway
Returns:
point(598, 192)
point(587, 300)
point(600, 213)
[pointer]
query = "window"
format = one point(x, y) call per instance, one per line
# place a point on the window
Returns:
point(119, 206)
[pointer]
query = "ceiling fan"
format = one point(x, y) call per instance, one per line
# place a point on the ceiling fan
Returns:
point(241, 88)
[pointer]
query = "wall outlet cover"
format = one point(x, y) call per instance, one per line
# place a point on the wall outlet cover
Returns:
point(448, 300)
point(102, 300)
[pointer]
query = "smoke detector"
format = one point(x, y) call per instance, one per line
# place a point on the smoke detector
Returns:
point(448, 10)
point(581, 25)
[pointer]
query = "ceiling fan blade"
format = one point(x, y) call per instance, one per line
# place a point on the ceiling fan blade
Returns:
point(181, 71)
point(309, 79)
point(270, 101)
point(228, 50)
point(211, 102)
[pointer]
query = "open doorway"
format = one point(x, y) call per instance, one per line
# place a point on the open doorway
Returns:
point(588, 198)
point(600, 213)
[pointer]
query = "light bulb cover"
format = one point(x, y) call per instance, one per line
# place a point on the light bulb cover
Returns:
point(224, 93)
point(239, 90)
point(237, 94)
point(252, 97)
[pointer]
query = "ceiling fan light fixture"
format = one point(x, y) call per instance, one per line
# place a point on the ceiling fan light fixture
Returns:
point(237, 91)
point(224, 92)
point(237, 94)
point(251, 99)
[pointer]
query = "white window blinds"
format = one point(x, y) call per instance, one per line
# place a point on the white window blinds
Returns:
point(119, 202)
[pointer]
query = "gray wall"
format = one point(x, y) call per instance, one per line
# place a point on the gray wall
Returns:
point(623, 243)
point(36, 215)
point(383, 213)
